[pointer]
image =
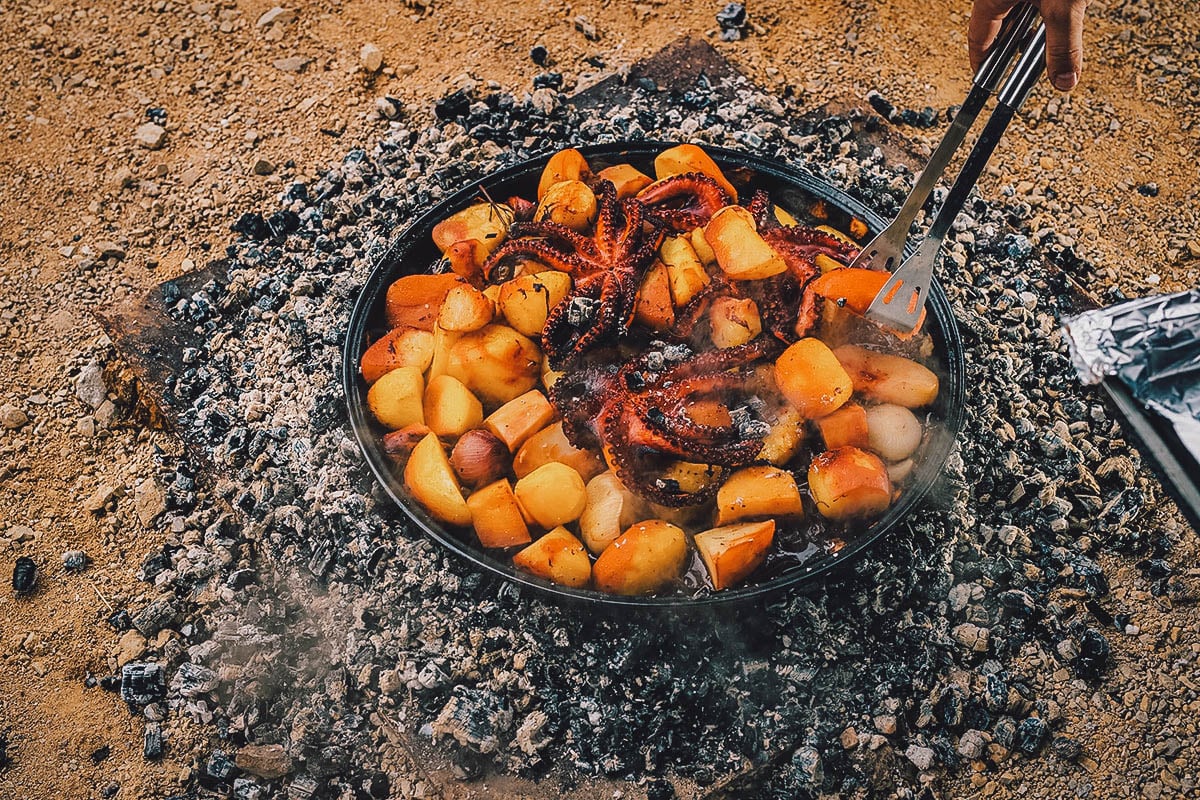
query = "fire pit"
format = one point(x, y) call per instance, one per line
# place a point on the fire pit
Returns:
point(412, 251)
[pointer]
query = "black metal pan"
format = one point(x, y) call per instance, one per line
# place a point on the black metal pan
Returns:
point(413, 251)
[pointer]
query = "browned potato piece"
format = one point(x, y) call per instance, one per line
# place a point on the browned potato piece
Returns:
point(703, 249)
point(812, 379)
point(519, 418)
point(740, 251)
point(466, 259)
point(526, 301)
point(431, 480)
point(690, 158)
point(559, 557)
point(497, 516)
point(733, 321)
point(690, 476)
point(569, 203)
point(886, 378)
point(846, 427)
point(553, 494)
point(551, 444)
point(687, 275)
point(849, 483)
point(486, 223)
point(495, 362)
point(399, 347)
point(450, 407)
point(732, 552)
point(610, 509)
point(396, 398)
point(415, 300)
point(626, 178)
point(645, 558)
point(783, 441)
point(654, 308)
point(465, 309)
point(784, 217)
point(565, 165)
point(758, 492)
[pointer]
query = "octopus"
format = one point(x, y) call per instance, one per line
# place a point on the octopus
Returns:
point(682, 203)
point(606, 269)
point(644, 414)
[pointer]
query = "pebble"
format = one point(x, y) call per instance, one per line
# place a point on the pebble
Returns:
point(149, 502)
point(18, 534)
point(921, 757)
point(262, 167)
point(972, 637)
point(75, 560)
point(264, 760)
point(371, 58)
point(275, 15)
point(12, 418)
point(150, 135)
point(108, 249)
point(89, 385)
point(291, 63)
point(130, 647)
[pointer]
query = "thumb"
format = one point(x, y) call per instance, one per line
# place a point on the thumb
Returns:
point(1064, 41)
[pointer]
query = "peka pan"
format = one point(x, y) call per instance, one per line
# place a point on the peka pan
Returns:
point(413, 251)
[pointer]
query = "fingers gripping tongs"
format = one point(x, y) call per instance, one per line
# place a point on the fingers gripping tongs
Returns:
point(900, 301)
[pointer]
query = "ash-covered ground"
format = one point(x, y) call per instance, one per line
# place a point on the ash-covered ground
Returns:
point(330, 625)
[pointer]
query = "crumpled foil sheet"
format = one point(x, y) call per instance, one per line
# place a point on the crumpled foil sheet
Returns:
point(1153, 345)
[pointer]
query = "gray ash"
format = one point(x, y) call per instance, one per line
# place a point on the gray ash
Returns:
point(352, 623)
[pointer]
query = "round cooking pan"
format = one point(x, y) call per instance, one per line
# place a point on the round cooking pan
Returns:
point(413, 251)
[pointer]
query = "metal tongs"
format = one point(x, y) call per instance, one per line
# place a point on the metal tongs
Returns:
point(901, 300)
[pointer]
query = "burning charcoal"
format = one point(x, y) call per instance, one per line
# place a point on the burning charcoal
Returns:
point(454, 105)
point(110, 790)
point(539, 55)
point(110, 683)
point(142, 682)
point(1155, 568)
point(882, 107)
point(283, 222)
point(303, 787)
point(251, 225)
point(1005, 732)
point(120, 620)
point(218, 770)
point(548, 80)
point(659, 789)
point(733, 15)
point(1093, 654)
point(100, 753)
point(581, 311)
point(193, 680)
point(24, 575)
point(75, 560)
point(247, 789)
point(154, 617)
point(378, 786)
point(1031, 735)
point(806, 761)
point(1148, 189)
point(241, 578)
point(1065, 748)
point(4, 760)
point(475, 718)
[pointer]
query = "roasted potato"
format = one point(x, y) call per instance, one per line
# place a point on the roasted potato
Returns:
point(526, 301)
point(733, 321)
point(812, 378)
point(551, 444)
point(396, 399)
point(451, 409)
point(686, 158)
point(495, 362)
point(553, 494)
point(465, 309)
point(654, 307)
point(399, 347)
point(569, 203)
point(497, 516)
point(627, 179)
point(886, 378)
point(485, 223)
point(740, 252)
point(431, 480)
point(687, 275)
point(764, 491)
point(783, 441)
point(559, 557)
point(565, 165)
point(520, 418)
point(849, 483)
point(646, 558)
point(703, 249)
point(732, 552)
point(846, 427)
point(415, 300)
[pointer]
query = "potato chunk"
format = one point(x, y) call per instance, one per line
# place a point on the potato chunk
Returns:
point(627, 179)
point(396, 398)
point(559, 557)
point(654, 307)
point(519, 418)
point(465, 309)
point(485, 223)
point(551, 444)
point(450, 407)
point(495, 362)
point(497, 516)
point(812, 378)
point(732, 552)
point(415, 300)
point(887, 378)
point(783, 441)
point(569, 203)
point(687, 275)
point(740, 252)
point(610, 509)
point(553, 494)
point(733, 321)
point(565, 165)
point(399, 347)
point(431, 480)
point(645, 558)
point(849, 483)
point(763, 491)
point(846, 427)
point(686, 158)
point(526, 301)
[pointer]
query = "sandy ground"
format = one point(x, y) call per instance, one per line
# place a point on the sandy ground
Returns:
point(1110, 170)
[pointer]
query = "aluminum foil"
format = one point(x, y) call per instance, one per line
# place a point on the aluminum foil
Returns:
point(1153, 346)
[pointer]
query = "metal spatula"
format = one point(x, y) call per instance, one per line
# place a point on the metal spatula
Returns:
point(901, 300)
point(886, 250)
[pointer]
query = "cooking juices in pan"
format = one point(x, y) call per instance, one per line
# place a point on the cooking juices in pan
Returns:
point(638, 384)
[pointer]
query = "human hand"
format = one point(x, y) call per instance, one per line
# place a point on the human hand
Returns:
point(1064, 35)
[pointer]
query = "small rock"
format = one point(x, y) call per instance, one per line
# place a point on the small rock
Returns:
point(149, 502)
point(106, 414)
point(371, 58)
point(86, 426)
point(921, 757)
point(885, 724)
point(150, 135)
point(123, 178)
point(276, 14)
point(972, 744)
point(130, 647)
point(109, 249)
point(99, 498)
point(849, 738)
point(1193, 248)
point(269, 761)
point(291, 63)
point(89, 385)
point(262, 167)
point(24, 576)
point(193, 680)
point(586, 28)
point(12, 418)
point(75, 560)
point(20, 533)
point(972, 637)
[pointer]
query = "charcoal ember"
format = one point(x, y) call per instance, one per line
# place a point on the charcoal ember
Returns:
point(733, 15)
point(1005, 732)
point(192, 680)
point(159, 614)
point(1031, 735)
point(248, 789)
point(75, 560)
point(378, 787)
point(659, 789)
point(110, 790)
point(219, 770)
point(539, 55)
point(269, 761)
point(119, 620)
point(152, 741)
point(241, 578)
point(142, 682)
point(456, 104)
point(251, 225)
point(475, 718)
point(548, 80)
point(100, 753)
point(24, 576)
point(1093, 654)
point(303, 787)
point(581, 311)
point(881, 105)
point(1066, 748)
point(4, 757)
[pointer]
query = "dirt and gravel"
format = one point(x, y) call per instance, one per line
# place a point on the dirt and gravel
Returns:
point(134, 137)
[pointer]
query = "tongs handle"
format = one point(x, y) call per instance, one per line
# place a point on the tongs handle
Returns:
point(1020, 83)
point(1013, 31)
